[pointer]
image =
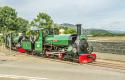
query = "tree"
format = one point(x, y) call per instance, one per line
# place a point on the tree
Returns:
point(7, 18)
point(43, 20)
point(10, 21)
point(70, 31)
point(21, 24)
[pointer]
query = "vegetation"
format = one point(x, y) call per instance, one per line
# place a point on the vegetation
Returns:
point(98, 33)
point(9, 20)
point(70, 31)
point(43, 20)
point(101, 34)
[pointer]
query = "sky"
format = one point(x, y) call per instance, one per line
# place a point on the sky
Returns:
point(102, 14)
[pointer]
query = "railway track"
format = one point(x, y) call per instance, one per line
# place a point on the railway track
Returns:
point(112, 64)
point(109, 64)
point(117, 65)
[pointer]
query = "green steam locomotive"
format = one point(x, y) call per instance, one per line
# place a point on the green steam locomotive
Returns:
point(71, 47)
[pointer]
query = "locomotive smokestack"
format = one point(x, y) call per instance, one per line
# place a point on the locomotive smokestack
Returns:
point(78, 29)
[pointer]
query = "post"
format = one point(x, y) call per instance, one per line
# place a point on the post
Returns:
point(10, 45)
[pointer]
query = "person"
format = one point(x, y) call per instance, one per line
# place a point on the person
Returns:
point(32, 39)
point(22, 37)
point(8, 41)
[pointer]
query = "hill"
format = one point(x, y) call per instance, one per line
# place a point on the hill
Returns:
point(96, 32)
point(86, 31)
point(68, 25)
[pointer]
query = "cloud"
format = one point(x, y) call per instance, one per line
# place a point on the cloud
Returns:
point(91, 13)
point(2, 3)
point(64, 8)
point(114, 21)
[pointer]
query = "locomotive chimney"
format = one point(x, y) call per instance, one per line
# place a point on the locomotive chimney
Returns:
point(78, 29)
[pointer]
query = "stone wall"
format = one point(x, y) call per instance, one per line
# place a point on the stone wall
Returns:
point(108, 47)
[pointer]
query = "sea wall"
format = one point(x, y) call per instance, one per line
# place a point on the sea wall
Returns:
point(108, 47)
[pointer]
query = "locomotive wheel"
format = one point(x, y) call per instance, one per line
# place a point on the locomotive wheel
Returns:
point(61, 56)
point(90, 49)
point(74, 50)
point(47, 55)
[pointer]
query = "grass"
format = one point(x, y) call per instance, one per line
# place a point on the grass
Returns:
point(115, 38)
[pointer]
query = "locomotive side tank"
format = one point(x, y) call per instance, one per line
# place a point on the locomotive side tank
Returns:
point(58, 40)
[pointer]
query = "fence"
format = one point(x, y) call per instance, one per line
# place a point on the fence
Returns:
point(108, 47)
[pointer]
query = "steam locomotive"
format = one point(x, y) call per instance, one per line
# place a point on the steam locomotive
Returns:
point(70, 47)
